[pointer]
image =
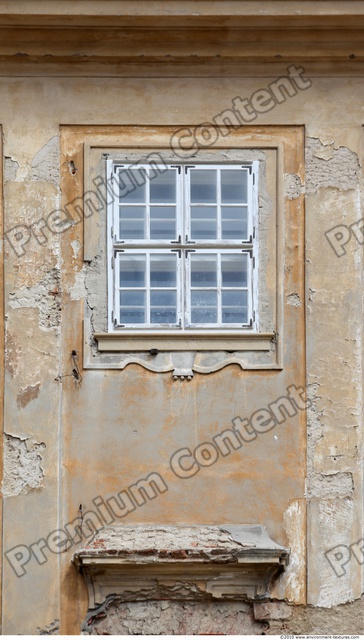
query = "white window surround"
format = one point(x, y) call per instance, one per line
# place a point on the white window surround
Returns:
point(203, 349)
point(211, 237)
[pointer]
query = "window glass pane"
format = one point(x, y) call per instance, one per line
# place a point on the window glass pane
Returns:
point(204, 298)
point(234, 270)
point(234, 186)
point(130, 315)
point(162, 298)
point(203, 185)
point(130, 298)
point(132, 223)
point(235, 307)
point(163, 270)
point(163, 316)
point(234, 223)
point(203, 223)
point(203, 316)
point(132, 185)
point(163, 187)
point(236, 298)
point(163, 307)
point(132, 307)
point(203, 270)
point(162, 223)
point(132, 270)
point(237, 316)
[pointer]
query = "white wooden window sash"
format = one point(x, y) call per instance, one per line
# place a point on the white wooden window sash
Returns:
point(135, 238)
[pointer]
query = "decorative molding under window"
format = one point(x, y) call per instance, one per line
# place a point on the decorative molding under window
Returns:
point(144, 562)
point(182, 354)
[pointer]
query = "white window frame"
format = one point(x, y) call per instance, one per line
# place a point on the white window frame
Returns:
point(183, 246)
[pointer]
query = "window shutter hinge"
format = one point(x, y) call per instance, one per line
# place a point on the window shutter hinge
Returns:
point(253, 178)
point(253, 262)
point(253, 232)
point(112, 262)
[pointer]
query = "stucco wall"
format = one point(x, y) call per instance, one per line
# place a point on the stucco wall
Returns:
point(69, 440)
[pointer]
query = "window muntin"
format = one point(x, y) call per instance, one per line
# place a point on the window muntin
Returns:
point(207, 214)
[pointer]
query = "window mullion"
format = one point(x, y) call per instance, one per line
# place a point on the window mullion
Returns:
point(218, 204)
point(147, 296)
point(147, 205)
point(219, 284)
point(185, 225)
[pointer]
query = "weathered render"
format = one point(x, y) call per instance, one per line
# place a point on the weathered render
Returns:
point(98, 526)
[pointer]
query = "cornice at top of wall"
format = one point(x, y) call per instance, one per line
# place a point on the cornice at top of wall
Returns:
point(169, 13)
point(205, 32)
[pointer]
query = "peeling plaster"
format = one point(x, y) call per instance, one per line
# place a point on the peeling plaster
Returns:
point(50, 629)
point(292, 186)
point(44, 296)
point(76, 247)
point(31, 392)
point(330, 167)
point(45, 164)
point(333, 517)
point(343, 619)
point(22, 465)
point(291, 584)
point(314, 428)
point(10, 169)
point(172, 617)
point(294, 300)
point(325, 486)
point(77, 291)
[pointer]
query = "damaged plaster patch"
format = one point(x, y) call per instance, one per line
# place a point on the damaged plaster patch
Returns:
point(31, 392)
point(76, 246)
point(294, 300)
point(314, 428)
point(77, 291)
point(339, 484)
point(115, 617)
point(10, 169)
point(22, 465)
point(44, 296)
point(330, 167)
point(292, 186)
point(45, 164)
point(50, 629)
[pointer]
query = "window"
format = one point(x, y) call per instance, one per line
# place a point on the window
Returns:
point(182, 246)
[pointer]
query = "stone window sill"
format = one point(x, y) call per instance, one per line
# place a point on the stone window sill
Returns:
point(184, 341)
